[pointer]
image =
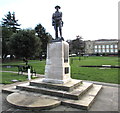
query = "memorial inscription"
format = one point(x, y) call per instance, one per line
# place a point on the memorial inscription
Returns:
point(66, 70)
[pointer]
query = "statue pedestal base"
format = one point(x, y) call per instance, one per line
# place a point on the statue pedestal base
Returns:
point(57, 69)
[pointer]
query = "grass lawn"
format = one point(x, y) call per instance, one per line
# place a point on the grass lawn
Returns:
point(7, 77)
point(95, 74)
point(83, 73)
point(38, 65)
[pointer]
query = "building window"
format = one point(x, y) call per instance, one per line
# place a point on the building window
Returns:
point(111, 50)
point(116, 50)
point(95, 46)
point(107, 50)
point(95, 50)
point(115, 46)
point(103, 46)
point(111, 46)
point(99, 50)
point(103, 50)
point(107, 46)
point(99, 46)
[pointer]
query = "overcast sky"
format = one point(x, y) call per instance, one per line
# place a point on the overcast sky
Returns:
point(91, 19)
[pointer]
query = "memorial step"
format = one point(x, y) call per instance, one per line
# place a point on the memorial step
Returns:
point(70, 86)
point(75, 94)
point(86, 100)
point(35, 100)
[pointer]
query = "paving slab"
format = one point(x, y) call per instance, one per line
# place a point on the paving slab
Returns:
point(32, 102)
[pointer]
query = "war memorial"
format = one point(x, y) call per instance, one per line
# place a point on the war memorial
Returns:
point(57, 88)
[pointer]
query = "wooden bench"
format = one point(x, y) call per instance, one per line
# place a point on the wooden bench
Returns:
point(22, 68)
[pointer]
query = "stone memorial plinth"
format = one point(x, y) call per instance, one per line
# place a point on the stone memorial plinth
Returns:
point(57, 69)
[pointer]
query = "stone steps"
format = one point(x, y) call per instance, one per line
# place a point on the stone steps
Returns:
point(75, 94)
point(65, 87)
point(86, 100)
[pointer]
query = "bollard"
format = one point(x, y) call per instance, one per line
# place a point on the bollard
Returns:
point(29, 74)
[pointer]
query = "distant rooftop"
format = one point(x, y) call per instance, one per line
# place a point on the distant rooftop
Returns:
point(104, 40)
point(107, 40)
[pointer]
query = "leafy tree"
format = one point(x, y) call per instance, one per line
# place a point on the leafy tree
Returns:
point(76, 46)
point(10, 22)
point(9, 26)
point(44, 37)
point(6, 34)
point(25, 44)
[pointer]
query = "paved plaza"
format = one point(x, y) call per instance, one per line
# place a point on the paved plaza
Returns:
point(107, 100)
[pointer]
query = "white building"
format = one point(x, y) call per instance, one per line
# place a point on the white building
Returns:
point(103, 46)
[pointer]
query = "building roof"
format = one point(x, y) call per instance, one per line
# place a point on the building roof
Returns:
point(107, 40)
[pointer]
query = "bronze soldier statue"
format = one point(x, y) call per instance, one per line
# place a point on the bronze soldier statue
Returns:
point(57, 23)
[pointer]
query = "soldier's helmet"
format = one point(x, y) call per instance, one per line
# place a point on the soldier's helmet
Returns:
point(57, 7)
